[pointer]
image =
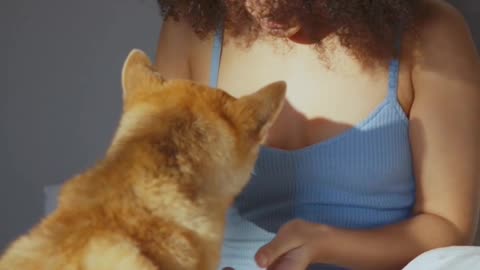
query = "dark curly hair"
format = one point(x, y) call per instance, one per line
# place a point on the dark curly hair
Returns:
point(369, 29)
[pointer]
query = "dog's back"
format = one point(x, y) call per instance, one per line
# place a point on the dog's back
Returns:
point(158, 199)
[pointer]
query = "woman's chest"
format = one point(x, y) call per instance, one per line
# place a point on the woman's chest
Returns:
point(322, 101)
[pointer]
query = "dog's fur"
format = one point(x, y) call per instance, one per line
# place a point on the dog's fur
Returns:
point(158, 199)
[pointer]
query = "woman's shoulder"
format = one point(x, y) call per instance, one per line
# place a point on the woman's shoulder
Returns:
point(181, 52)
point(442, 33)
point(440, 19)
point(176, 43)
point(445, 60)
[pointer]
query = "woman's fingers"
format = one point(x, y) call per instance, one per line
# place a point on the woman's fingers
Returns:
point(287, 238)
point(296, 259)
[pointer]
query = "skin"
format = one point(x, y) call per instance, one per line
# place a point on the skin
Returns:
point(439, 91)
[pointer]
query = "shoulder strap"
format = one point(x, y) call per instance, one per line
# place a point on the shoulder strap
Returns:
point(394, 69)
point(216, 56)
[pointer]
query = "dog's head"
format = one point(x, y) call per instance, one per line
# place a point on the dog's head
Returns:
point(204, 134)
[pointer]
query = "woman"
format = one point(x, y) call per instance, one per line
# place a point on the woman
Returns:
point(374, 159)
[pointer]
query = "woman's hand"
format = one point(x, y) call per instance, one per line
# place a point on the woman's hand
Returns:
point(297, 245)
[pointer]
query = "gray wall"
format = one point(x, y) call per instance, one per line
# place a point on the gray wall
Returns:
point(60, 90)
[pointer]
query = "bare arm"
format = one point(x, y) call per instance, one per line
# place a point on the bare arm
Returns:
point(445, 128)
point(174, 50)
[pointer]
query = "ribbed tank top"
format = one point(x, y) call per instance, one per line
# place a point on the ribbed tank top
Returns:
point(360, 179)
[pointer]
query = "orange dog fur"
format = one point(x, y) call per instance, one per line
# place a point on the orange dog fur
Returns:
point(158, 199)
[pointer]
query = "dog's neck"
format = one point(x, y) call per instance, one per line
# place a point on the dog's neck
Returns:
point(169, 189)
point(168, 202)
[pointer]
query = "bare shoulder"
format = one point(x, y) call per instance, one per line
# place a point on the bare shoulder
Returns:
point(444, 41)
point(176, 42)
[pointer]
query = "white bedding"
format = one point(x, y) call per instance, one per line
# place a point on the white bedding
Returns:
point(450, 258)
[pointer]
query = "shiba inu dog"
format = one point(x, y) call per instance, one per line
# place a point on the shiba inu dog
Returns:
point(158, 199)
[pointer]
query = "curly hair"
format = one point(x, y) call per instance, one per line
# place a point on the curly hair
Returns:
point(368, 29)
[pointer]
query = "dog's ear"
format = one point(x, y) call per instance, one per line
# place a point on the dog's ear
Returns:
point(255, 113)
point(138, 73)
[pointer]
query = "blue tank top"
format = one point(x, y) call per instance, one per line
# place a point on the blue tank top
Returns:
point(360, 179)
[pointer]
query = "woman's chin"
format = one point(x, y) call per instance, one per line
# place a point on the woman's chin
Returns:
point(296, 35)
point(282, 32)
point(301, 38)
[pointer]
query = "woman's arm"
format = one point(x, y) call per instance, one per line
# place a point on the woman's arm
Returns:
point(445, 128)
point(174, 50)
point(445, 138)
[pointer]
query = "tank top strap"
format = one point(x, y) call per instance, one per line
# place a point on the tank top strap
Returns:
point(216, 56)
point(394, 69)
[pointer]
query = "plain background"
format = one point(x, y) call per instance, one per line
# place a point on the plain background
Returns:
point(60, 90)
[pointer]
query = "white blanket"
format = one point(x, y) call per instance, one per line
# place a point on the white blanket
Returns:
point(449, 258)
